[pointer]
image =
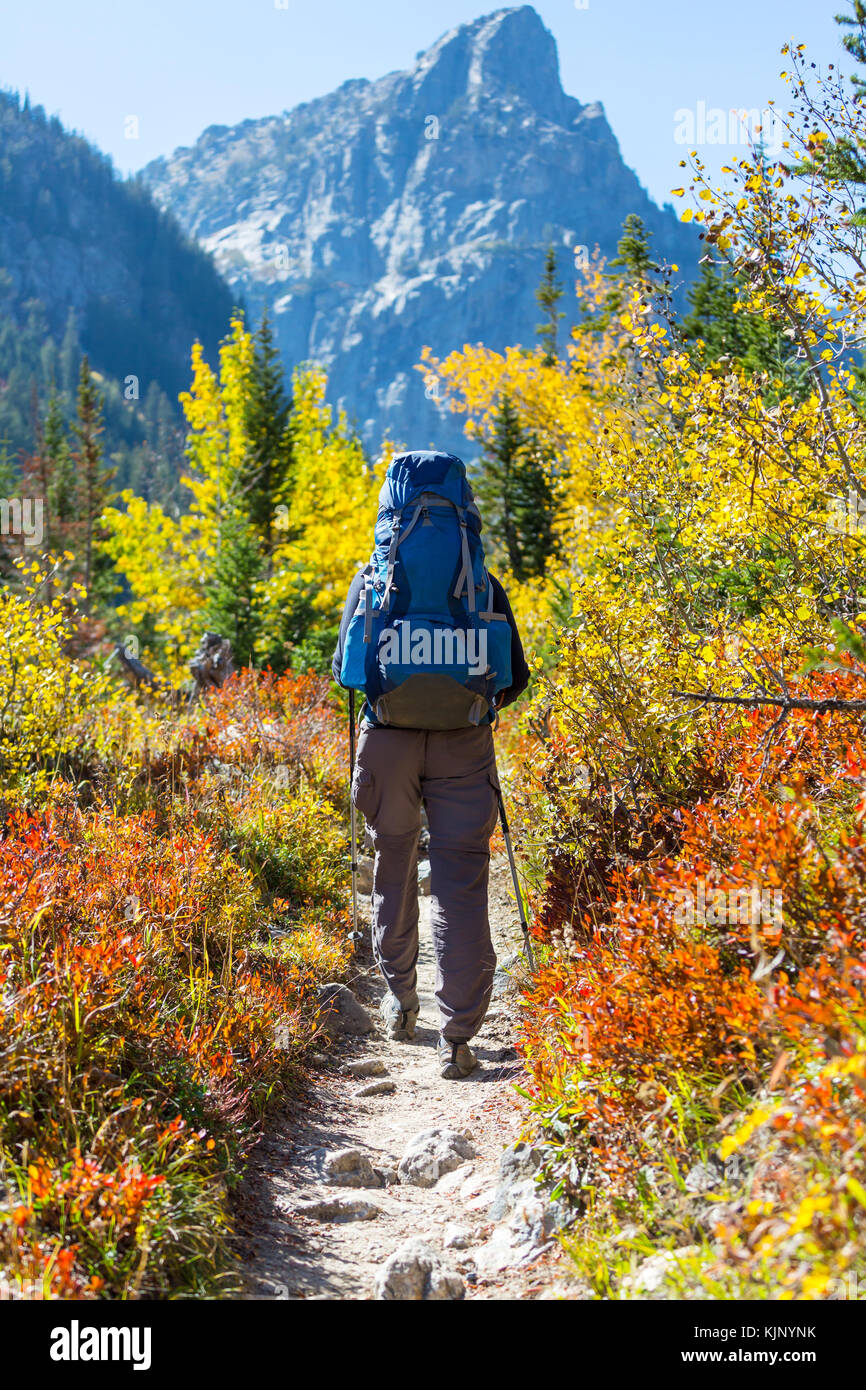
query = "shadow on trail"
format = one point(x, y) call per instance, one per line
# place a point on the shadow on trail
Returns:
point(282, 1259)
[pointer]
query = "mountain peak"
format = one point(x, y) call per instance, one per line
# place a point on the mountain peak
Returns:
point(513, 45)
point(508, 52)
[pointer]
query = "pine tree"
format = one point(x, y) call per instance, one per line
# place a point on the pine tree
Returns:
point(532, 512)
point(516, 495)
point(843, 160)
point(232, 606)
point(633, 267)
point(39, 473)
point(265, 479)
point(92, 477)
point(163, 444)
point(548, 294)
point(855, 40)
point(632, 250)
point(33, 467)
point(711, 317)
point(8, 488)
point(59, 466)
point(727, 332)
point(7, 470)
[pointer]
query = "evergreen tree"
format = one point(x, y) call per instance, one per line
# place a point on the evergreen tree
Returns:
point(855, 40)
point(844, 159)
point(232, 606)
point(729, 332)
point(632, 251)
point(163, 446)
point(265, 479)
point(726, 330)
point(92, 477)
point(532, 512)
point(548, 294)
point(7, 470)
point(8, 489)
point(632, 266)
point(59, 466)
point(516, 494)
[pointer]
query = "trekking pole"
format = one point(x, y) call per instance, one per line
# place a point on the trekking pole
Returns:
point(521, 907)
point(355, 935)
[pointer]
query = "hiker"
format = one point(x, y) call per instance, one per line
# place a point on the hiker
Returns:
point(429, 637)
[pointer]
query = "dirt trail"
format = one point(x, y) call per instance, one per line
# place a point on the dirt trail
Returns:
point(294, 1256)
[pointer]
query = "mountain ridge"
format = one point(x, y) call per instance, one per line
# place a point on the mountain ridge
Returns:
point(89, 264)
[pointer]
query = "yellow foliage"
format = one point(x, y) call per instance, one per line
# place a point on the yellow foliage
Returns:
point(320, 542)
point(48, 702)
point(330, 521)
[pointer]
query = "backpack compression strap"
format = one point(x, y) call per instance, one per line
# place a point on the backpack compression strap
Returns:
point(367, 603)
point(487, 613)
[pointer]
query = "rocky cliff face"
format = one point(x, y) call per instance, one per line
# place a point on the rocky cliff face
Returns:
point(413, 210)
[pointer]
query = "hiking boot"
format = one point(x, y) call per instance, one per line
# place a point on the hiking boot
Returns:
point(456, 1059)
point(399, 1022)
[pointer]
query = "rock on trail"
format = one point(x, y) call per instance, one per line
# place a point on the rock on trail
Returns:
point(336, 1209)
point(377, 1088)
point(342, 1013)
point(432, 1154)
point(415, 1272)
point(364, 1066)
point(350, 1168)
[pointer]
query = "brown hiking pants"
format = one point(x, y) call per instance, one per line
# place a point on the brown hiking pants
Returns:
point(453, 772)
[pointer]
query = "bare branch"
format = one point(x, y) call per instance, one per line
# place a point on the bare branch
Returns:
point(782, 702)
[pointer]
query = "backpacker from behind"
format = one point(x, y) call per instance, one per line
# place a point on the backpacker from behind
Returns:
point(424, 643)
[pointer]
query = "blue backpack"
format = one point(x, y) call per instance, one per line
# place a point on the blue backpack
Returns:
point(424, 643)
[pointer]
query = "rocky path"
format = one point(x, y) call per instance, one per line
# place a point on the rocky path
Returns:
point(386, 1181)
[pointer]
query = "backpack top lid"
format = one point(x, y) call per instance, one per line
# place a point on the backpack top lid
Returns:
point(424, 470)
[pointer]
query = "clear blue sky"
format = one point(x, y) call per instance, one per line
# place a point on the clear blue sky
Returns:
point(181, 65)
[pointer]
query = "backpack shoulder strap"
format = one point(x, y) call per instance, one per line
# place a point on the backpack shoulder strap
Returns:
point(465, 575)
point(398, 536)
